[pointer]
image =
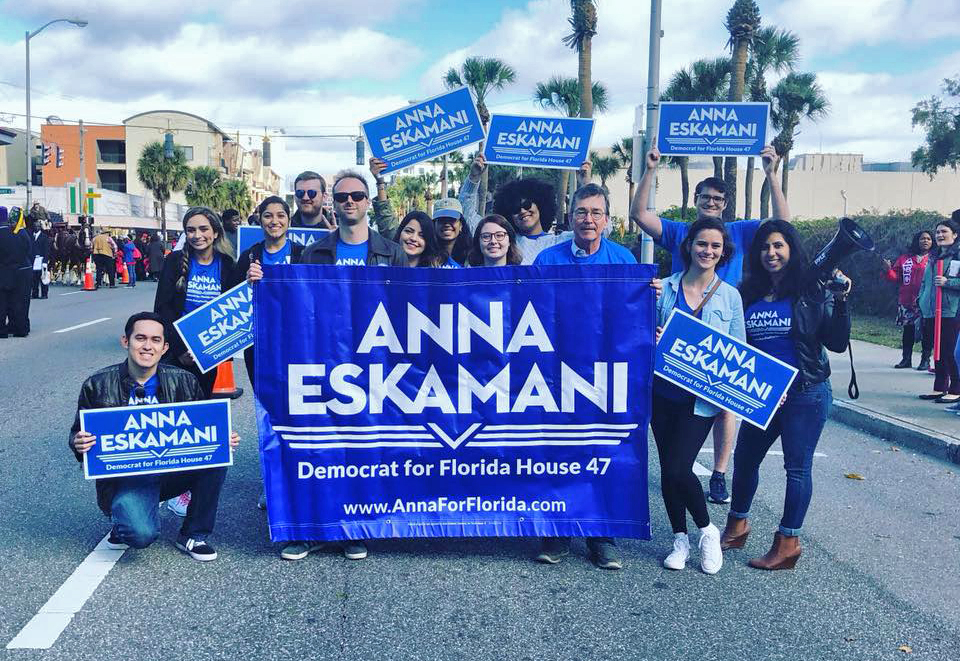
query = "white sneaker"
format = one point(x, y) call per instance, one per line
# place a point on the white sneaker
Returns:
point(711, 555)
point(681, 551)
point(179, 504)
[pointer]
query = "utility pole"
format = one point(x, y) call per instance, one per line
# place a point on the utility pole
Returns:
point(653, 115)
point(28, 135)
point(82, 193)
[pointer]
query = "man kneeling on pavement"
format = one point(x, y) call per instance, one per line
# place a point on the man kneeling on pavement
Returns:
point(131, 502)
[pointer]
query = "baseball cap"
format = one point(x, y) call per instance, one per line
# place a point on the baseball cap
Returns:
point(447, 207)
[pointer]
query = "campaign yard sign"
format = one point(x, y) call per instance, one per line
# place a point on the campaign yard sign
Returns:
point(248, 235)
point(220, 328)
point(542, 142)
point(161, 438)
point(721, 369)
point(424, 130)
point(455, 402)
point(712, 129)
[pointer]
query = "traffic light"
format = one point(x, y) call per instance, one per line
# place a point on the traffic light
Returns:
point(360, 154)
point(47, 154)
point(59, 157)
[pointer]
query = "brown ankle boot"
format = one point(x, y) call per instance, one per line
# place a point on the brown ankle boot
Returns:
point(782, 555)
point(735, 533)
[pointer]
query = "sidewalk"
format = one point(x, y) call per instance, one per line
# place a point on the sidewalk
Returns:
point(888, 405)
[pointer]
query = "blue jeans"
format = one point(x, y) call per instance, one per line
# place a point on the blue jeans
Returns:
point(133, 510)
point(798, 423)
point(132, 272)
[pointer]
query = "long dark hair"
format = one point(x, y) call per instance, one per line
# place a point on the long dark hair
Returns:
point(758, 283)
point(433, 254)
point(514, 256)
point(699, 226)
point(914, 248)
point(220, 244)
point(461, 245)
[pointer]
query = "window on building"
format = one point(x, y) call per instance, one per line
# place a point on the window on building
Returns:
point(187, 151)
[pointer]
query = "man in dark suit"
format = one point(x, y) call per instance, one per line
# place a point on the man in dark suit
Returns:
point(14, 257)
point(41, 248)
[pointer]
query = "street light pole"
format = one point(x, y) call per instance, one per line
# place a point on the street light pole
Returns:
point(28, 36)
point(653, 116)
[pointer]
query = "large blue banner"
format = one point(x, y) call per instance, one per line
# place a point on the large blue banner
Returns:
point(217, 330)
point(722, 369)
point(543, 142)
point(454, 402)
point(162, 438)
point(712, 129)
point(248, 235)
point(424, 130)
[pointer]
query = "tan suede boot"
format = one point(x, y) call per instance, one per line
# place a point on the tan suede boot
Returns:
point(782, 555)
point(734, 533)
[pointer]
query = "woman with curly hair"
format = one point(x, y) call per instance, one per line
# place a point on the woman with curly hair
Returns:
point(907, 271)
point(494, 243)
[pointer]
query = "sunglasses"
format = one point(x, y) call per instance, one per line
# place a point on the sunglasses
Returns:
point(356, 196)
point(525, 205)
point(306, 193)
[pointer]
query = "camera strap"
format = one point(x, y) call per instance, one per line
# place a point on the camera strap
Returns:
point(853, 390)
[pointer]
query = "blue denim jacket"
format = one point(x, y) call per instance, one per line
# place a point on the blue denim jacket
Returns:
point(724, 311)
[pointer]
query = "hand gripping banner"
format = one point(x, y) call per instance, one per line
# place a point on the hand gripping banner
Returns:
point(416, 402)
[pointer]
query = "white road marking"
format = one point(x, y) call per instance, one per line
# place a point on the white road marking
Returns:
point(777, 452)
point(700, 469)
point(42, 631)
point(71, 293)
point(89, 323)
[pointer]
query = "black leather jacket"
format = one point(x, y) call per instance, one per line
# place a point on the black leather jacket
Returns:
point(380, 251)
point(111, 386)
point(819, 321)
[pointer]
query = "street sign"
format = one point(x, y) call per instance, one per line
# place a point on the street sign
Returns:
point(6, 191)
point(712, 129)
point(93, 195)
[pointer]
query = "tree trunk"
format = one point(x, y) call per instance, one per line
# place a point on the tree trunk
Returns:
point(684, 188)
point(718, 167)
point(443, 178)
point(586, 78)
point(633, 190)
point(765, 199)
point(163, 223)
point(748, 189)
point(736, 94)
point(785, 181)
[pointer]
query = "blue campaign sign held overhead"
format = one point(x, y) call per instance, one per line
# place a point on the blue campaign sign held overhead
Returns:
point(721, 369)
point(712, 129)
point(248, 235)
point(164, 438)
point(219, 329)
point(455, 402)
point(542, 142)
point(424, 130)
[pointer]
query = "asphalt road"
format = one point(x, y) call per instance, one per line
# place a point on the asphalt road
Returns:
point(879, 569)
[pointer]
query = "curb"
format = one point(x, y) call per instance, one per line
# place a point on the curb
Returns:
point(904, 434)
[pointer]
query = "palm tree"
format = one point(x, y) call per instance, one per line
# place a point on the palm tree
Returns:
point(623, 152)
point(162, 176)
point(236, 195)
point(204, 188)
point(705, 80)
point(583, 20)
point(564, 96)
point(743, 22)
point(796, 97)
point(773, 50)
point(604, 167)
point(482, 75)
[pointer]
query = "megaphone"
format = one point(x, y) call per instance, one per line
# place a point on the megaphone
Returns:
point(850, 238)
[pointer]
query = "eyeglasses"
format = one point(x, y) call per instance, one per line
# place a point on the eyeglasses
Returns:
point(595, 214)
point(487, 236)
point(716, 199)
point(305, 193)
point(356, 196)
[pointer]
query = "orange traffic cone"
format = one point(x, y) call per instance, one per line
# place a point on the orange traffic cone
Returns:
point(224, 386)
point(88, 276)
point(124, 274)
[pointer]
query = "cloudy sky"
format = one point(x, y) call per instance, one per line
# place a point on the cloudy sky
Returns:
point(322, 67)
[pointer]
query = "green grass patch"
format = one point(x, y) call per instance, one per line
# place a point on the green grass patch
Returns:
point(879, 330)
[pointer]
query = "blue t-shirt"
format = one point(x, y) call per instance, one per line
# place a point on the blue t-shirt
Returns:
point(563, 253)
point(741, 235)
point(149, 395)
point(768, 329)
point(282, 256)
point(349, 254)
point(661, 386)
point(203, 284)
point(128, 250)
point(451, 263)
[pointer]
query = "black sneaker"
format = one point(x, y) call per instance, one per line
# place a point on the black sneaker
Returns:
point(553, 549)
point(114, 543)
point(197, 549)
point(604, 554)
point(904, 364)
point(718, 489)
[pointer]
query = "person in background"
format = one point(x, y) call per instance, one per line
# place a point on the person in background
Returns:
point(452, 231)
point(494, 243)
point(155, 256)
point(309, 188)
point(104, 255)
point(130, 256)
point(231, 223)
point(790, 316)
point(14, 254)
point(946, 385)
point(418, 239)
point(40, 258)
point(907, 271)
